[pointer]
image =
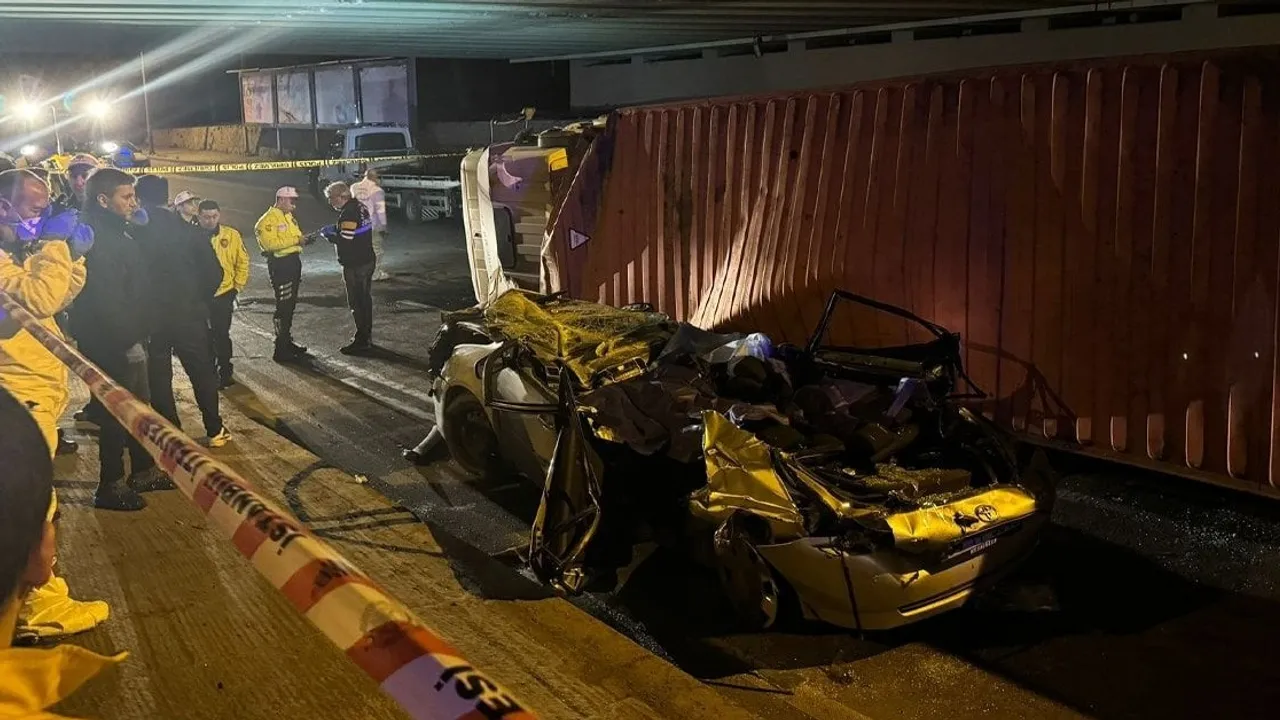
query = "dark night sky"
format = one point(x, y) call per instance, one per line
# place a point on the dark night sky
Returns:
point(205, 97)
point(447, 90)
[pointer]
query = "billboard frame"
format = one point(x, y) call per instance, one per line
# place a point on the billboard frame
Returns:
point(310, 69)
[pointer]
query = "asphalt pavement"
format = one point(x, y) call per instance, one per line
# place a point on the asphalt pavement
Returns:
point(1149, 596)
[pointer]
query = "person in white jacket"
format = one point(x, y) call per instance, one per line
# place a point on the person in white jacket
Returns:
point(371, 195)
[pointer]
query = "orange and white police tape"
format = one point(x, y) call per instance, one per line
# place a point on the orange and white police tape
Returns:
point(259, 165)
point(418, 669)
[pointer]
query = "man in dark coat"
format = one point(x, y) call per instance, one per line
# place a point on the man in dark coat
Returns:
point(352, 237)
point(110, 321)
point(184, 276)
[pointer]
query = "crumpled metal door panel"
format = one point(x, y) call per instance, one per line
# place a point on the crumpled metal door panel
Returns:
point(569, 514)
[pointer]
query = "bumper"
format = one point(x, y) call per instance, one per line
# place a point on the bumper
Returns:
point(892, 588)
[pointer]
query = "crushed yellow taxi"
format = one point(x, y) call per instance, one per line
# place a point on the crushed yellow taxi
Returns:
point(844, 484)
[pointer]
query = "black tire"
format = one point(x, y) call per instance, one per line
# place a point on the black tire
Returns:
point(412, 208)
point(470, 436)
point(760, 598)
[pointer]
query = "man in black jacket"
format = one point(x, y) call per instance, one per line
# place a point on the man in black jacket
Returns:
point(184, 276)
point(110, 321)
point(352, 237)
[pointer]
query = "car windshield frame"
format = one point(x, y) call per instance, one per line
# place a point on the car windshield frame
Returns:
point(815, 340)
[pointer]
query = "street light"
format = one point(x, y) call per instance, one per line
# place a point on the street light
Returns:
point(99, 109)
point(31, 111)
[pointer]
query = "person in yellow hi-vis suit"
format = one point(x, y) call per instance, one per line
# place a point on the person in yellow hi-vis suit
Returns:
point(229, 248)
point(32, 680)
point(281, 242)
point(42, 268)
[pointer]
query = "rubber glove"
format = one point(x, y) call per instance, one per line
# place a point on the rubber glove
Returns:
point(140, 217)
point(81, 241)
point(28, 231)
point(329, 232)
point(60, 226)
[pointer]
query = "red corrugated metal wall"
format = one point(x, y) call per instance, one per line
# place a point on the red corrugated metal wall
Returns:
point(1104, 237)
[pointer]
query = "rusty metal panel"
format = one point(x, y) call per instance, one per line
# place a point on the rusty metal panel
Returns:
point(1102, 235)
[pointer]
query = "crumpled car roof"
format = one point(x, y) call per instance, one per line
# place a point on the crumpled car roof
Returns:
point(589, 339)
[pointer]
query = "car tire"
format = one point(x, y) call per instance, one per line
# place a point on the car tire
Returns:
point(412, 209)
point(470, 436)
point(759, 597)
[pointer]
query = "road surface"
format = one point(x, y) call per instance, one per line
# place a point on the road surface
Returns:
point(1149, 597)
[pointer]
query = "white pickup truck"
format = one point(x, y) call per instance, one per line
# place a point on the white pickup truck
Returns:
point(419, 196)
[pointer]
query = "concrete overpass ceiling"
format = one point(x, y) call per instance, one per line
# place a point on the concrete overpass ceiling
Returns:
point(460, 28)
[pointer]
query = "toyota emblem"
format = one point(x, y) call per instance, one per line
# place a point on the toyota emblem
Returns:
point(986, 513)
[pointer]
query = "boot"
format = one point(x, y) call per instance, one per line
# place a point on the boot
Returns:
point(117, 495)
point(150, 480)
point(285, 354)
point(66, 445)
point(356, 347)
point(286, 349)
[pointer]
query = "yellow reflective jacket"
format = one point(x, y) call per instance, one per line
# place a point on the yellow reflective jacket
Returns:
point(33, 680)
point(58, 162)
point(234, 259)
point(45, 285)
point(278, 233)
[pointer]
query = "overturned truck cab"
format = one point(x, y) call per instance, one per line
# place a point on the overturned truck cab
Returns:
point(847, 485)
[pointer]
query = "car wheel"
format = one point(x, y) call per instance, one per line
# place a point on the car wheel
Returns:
point(759, 598)
point(413, 209)
point(470, 436)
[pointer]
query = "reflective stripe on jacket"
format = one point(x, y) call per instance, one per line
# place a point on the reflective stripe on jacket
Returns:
point(233, 257)
point(278, 233)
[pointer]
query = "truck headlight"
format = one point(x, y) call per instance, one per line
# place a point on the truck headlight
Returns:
point(110, 147)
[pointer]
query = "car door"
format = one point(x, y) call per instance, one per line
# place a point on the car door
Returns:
point(522, 403)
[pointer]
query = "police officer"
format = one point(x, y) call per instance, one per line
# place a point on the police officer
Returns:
point(186, 204)
point(281, 242)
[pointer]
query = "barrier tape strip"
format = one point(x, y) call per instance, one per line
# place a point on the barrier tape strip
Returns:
point(423, 673)
point(275, 164)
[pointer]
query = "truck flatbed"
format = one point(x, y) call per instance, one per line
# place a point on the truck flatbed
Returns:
point(419, 182)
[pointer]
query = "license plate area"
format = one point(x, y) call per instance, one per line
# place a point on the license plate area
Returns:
point(967, 547)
